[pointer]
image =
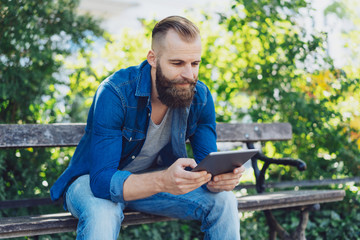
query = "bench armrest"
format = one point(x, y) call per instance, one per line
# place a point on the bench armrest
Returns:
point(300, 164)
point(260, 174)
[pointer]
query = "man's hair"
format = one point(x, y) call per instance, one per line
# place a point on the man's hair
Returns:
point(187, 30)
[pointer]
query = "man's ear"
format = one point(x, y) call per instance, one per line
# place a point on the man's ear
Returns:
point(151, 58)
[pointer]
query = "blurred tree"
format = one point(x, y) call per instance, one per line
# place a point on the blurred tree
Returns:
point(36, 37)
point(347, 12)
point(269, 67)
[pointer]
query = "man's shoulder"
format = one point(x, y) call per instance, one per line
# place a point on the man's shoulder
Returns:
point(125, 76)
point(130, 80)
point(202, 92)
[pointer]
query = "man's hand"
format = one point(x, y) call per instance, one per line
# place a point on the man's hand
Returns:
point(176, 180)
point(226, 181)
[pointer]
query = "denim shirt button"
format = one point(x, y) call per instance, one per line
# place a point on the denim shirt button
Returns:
point(130, 139)
point(133, 157)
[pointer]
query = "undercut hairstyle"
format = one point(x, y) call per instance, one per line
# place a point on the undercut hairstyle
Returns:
point(187, 30)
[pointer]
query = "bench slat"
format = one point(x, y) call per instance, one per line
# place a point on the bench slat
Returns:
point(253, 132)
point(27, 202)
point(60, 222)
point(285, 199)
point(40, 135)
point(64, 222)
point(300, 183)
point(63, 135)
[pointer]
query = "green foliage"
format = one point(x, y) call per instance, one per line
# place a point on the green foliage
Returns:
point(253, 226)
point(263, 65)
point(36, 37)
point(86, 76)
point(184, 230)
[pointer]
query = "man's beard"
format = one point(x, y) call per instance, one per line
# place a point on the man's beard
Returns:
point(172, 96)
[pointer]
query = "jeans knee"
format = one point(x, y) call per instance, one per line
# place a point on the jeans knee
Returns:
point(100, 223)
point(226, 201)
point(221, 221)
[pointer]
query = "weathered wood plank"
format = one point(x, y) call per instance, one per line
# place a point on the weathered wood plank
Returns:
point(61, 135)
point(249, 132)
point(37, 225)
point(285, 199)
point(40, 135)
point(27, 203)
point(61, 222)
point(64, 222)
point(302, 183)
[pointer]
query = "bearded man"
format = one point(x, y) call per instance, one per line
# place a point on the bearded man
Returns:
point(139, 121)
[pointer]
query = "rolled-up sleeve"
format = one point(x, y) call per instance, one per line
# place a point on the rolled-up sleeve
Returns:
point(106, 181)
point(116, 185)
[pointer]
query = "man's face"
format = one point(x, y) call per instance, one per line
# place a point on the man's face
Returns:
point(174, 93)
point(177, 70)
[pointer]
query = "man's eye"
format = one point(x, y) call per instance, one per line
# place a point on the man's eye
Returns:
point(195, 64)
point(177, 63)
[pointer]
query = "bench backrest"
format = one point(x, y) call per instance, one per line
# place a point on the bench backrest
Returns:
point(63, 135)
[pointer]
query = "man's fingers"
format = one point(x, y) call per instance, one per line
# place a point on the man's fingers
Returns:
point(185, 185)
point(220, 189)
point(232, 182)
point(194, 177)
point(240, 169)
point(186, 162)
point(227, 185)
point(227, 176)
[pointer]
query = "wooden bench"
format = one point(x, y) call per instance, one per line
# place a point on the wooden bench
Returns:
point(64, 135)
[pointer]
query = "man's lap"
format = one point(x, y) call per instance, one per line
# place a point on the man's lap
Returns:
point(191, 205)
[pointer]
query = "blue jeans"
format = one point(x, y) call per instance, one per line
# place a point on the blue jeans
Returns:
point(101, 218)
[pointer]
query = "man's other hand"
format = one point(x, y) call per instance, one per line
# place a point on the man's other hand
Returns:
point(176, 180)
point(226, 181)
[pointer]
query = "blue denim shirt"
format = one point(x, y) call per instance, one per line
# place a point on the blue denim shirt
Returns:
point(116, 130)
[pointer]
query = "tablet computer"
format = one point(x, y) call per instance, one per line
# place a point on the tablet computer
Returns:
point(223, 162)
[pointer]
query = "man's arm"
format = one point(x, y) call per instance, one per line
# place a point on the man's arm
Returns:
point(204, 142)
point(106, 181)
point(175, 180)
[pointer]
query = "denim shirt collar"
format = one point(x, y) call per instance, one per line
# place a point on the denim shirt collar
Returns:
point(143, 88)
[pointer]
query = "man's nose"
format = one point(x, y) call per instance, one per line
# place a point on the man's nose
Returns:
point(188, 72)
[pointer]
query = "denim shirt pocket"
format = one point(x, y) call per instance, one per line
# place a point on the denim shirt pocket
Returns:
point(132, 143)
point(133, 135)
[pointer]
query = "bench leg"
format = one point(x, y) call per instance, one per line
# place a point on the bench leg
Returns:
point(299, 234)
point(304, 218)
point(300, 230)
point(275, 228)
